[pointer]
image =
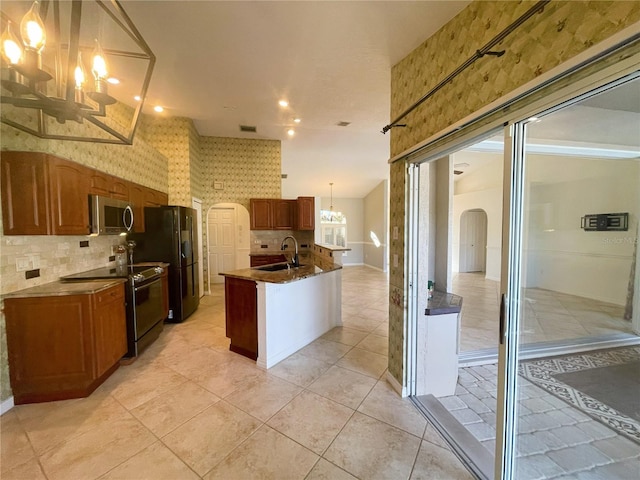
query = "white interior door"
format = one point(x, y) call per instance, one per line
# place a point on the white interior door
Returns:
point(473, 241)
point(222, 243)
point(197, 206)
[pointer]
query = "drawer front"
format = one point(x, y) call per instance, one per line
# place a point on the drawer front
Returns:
point(110, 295)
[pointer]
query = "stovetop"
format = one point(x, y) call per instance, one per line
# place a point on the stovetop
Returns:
point(134, 273)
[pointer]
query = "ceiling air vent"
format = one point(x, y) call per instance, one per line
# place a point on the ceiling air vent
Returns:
point(343, 124)
point(284, 175)
point(248, 128)
point(458, 172)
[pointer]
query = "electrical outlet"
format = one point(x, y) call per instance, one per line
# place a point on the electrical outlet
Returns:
point(395, 233)
point(22, 264)
point(84, 243)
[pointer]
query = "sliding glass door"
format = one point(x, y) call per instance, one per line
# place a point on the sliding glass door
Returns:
point(569, 279)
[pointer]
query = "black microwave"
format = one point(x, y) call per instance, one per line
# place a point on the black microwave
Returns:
point(109, 216)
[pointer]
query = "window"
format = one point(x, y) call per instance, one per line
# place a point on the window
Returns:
point(333, 227)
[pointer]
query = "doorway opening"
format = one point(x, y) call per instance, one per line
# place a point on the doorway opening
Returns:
point(473, 241)
point(227, 240)
point(577, 286)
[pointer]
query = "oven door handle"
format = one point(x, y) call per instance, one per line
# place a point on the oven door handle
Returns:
point(146, 285)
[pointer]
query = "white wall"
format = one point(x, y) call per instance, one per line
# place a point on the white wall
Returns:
point(375, 220)
point(561, 256)
point(353, 209)
point(480, 189)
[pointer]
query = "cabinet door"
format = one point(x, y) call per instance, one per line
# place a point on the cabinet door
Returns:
point(25, 203)
point(110, 328)
point(261, 209)
point(306, 213)
point(154, 198)
point(50, 346)
point(136, 198)
point(283, 214)
point(99, 183)
point(119, 189)
point(69, 201)
point(259, 260)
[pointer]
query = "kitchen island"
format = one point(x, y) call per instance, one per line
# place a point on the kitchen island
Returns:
point(273, 311)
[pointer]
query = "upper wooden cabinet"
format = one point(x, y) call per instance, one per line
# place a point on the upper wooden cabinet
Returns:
point(261, 216)
point(47, 195)
point(25, 195)
point(282, 214)
point(136, 197)
point(306, 213)
point(68, 187)
point(106, 185)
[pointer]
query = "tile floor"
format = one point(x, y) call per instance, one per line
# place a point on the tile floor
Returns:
point(188, 409)
point(548, 316)
point(554, 440)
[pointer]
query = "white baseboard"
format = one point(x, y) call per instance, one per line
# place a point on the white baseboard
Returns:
point(402, 391)
point(6, 405)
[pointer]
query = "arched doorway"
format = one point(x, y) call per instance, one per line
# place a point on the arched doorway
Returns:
point(227, 240)
point(473, 241)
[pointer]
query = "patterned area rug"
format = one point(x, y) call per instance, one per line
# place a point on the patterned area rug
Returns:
point(552, 374)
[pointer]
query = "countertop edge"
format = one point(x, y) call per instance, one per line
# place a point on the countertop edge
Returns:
point(256, 275)
point(61, 289)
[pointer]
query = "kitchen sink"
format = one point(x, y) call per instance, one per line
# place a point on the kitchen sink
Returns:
point(276, 267)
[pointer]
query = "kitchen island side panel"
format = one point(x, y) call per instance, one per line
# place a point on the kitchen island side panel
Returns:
point(292, 315)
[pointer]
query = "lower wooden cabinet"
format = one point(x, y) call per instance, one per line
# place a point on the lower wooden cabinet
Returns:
point(241, 308)
point(64, 346)
point(259, 260)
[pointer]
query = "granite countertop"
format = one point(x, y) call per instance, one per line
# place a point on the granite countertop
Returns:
point(315, 267)
point(151, 264)
point(333, 248)
point(58, 288)
point(442, 303)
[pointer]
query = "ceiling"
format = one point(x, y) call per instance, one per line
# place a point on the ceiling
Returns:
point(226, 64)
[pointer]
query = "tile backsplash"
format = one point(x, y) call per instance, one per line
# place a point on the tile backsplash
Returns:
point(55, 256)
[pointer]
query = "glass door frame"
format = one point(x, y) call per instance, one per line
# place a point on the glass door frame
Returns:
point(605, 71)
point(511, 273)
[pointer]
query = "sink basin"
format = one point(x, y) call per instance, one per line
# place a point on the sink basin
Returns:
point(275, 267)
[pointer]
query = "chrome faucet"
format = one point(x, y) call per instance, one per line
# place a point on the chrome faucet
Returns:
point(294, 260)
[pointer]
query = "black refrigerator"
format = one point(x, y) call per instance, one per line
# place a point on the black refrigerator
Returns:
point(170, 236)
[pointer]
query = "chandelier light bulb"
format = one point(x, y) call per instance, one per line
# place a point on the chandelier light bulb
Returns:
point(11, 49)
point(99, 68)
point(32, 29)
point(79, 73)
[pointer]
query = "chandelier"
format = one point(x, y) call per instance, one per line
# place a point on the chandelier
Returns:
point(73, 70)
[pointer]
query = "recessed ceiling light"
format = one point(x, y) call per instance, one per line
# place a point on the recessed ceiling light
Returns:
point(158, 109)
point(137, 98)
point(297, 120)
point(343, 124)
point(291, 132)
point(113, 81)
point(283, 103)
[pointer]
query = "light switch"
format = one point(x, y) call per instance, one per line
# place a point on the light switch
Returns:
point(395, 260)
point(395, 232)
